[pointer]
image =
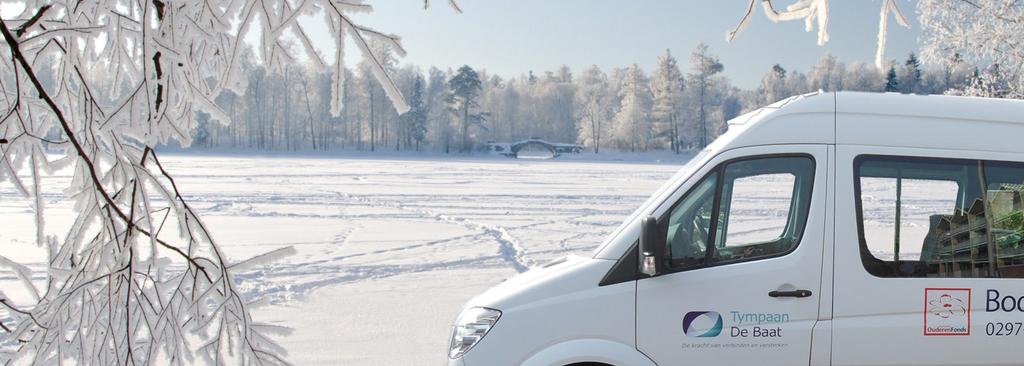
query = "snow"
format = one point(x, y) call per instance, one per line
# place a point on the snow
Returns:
point(387, 248)
point(367, 258)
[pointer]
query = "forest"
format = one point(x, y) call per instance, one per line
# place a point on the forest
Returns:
point(677, 106)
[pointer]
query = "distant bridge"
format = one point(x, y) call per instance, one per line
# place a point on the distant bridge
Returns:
point(512, 149)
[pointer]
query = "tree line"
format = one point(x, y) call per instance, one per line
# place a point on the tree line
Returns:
point(675, 107)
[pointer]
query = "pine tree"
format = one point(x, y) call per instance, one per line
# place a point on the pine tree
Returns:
point(910, 82)
point(891, 84)
point(667, 86)
point(465, 89)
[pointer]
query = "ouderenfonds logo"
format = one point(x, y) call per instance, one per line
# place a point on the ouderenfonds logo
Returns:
point(700, 324)
point(947, 311)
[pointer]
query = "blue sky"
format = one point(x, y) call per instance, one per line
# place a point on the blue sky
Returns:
point(510, 37)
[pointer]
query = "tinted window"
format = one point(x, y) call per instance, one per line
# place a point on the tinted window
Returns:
point(940, 217)
point(919, 200)
point(690, 224)
point(760, 207)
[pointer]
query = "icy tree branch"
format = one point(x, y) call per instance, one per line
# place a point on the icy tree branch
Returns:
point(815, 14)
point(883, 29)
point(101, 83)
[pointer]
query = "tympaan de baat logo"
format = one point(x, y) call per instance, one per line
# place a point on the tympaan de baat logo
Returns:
point(702, 324)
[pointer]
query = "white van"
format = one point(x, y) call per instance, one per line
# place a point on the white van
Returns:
point(825, 229)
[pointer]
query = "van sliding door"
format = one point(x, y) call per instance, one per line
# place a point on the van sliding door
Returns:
point(929, 257)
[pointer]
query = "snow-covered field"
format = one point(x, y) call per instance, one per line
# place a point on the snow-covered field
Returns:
point(387, 249)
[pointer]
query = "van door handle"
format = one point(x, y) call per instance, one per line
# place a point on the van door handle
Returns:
point(794, 293)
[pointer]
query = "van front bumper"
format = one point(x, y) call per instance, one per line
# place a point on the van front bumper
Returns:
point(456, 362)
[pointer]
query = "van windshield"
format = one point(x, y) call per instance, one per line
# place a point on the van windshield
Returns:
point(687, 170)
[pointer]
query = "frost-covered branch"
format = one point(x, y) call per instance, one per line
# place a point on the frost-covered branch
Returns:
point(93, 87)
point(815, 14)
point(452, 3)
point(888, 6)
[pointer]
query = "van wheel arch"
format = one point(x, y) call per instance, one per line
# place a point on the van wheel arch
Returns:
point(589, 352)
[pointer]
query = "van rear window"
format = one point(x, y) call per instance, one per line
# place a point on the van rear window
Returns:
point(925, 217)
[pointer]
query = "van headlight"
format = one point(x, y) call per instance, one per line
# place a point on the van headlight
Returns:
point(472, 325)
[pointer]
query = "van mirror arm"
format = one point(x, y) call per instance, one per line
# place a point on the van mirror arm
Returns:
point(652, 247)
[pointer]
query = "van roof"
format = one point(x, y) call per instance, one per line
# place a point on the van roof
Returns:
point(931, 106)
point(884, 119)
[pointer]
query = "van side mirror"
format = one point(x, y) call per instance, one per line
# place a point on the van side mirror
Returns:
point(652, 247)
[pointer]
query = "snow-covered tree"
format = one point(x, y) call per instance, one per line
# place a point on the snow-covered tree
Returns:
point(956, 73)
point(437, 108)
point(139, 277)
point(317, 126)
point(990, 83)
point(502, 103)
point(796, 83)
point(703, 68)
point(862, 76)
point(632, 121)
point(981, 32)
point(593, 106)
point(416, 117)
point(667, 87)
point(556, 96)
point(380, 110)
point(827, 75)
point(773, 86)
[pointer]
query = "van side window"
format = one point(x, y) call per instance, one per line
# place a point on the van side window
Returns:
point(689, 225)
point(742, 211)
point(924, 217)
point(764, 207)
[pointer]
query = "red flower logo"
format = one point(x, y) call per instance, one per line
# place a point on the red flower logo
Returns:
point(947, 306)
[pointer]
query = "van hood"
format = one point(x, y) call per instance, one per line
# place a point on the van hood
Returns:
point(555, 278)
